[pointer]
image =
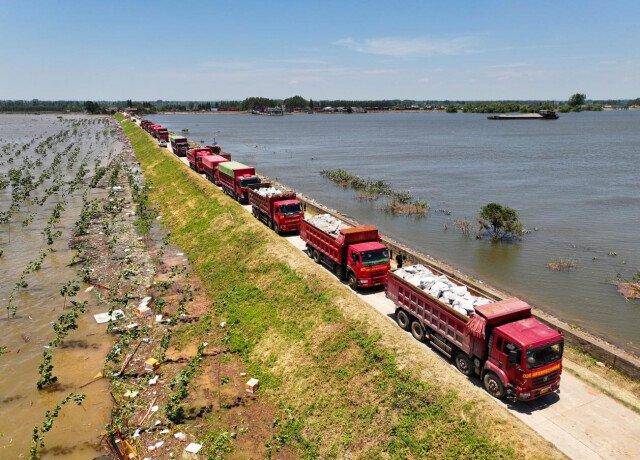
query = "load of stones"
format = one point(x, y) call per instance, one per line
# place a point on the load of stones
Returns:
point(327, 223)
point(269, 191)
point(442, 288)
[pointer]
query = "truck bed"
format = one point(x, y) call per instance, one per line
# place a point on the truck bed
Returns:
point(435, 314)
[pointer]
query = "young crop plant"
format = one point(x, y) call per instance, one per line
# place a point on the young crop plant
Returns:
point(69, 289)
point(45, 369)
point(179, 385)
point(50, 417)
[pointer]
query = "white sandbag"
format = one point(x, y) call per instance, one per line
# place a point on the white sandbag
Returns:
point(479, 301)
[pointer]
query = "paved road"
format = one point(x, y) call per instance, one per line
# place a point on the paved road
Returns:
point(582, 422)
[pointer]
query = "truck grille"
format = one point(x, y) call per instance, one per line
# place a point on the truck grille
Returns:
point(544, 379)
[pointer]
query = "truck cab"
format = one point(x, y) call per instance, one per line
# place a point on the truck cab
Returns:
point(367, 264)
point(287, 215)
point(242, 185)
point(526, 357)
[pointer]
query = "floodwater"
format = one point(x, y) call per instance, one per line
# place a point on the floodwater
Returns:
point(76, 432)
point(575, 182)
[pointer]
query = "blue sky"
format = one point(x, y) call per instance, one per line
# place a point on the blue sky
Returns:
point(210, 50)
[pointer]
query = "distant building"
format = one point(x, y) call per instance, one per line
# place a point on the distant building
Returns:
point(275, 111)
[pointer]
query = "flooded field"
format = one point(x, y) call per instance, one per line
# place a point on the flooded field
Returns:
point(47, 164)
point(574, 181)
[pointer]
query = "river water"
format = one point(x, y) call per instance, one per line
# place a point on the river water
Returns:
point(76, 434)
point(575, 182)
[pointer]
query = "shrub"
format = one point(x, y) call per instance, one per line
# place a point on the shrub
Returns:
point(501, 222)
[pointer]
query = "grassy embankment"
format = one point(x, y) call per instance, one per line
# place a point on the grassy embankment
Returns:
point(340, 389)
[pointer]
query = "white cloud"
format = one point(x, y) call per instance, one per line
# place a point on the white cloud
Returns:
point(419, 46)
point(424, 80)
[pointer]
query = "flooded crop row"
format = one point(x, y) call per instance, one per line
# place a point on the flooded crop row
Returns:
point(51, 351)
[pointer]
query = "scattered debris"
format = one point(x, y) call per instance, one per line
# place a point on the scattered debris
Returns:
point(105, 317)
point(252, 385)
point(193, 448)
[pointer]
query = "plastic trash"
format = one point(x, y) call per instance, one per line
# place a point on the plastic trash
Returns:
point(193, 448)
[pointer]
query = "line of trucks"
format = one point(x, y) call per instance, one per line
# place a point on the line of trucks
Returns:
point(498, 340)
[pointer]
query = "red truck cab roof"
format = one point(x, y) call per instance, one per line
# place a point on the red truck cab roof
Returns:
point(369, 246)
point(504, 310)
point(529, 332)
point(288, 201)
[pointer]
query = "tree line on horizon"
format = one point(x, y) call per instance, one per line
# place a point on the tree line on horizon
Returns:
point(576, 102)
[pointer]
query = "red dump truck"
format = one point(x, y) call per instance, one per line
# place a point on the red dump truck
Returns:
point(159, 132)
point(210, 166)
point(279, 209)
point(145, 124)
point(235, 179)
point(196, 155)
point(514, 354)
point(179, 144)
point(354, 254)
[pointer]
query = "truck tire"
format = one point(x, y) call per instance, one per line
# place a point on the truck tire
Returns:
point(403, 320)
point(351, 280)
point(310, 251)
point(417, 331)
point(317, 257)
point(463, 363)
point(493, 385)
point(339, 271)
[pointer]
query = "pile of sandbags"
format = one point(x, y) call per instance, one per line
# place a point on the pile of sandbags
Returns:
point(327, 223)
point(440, 287)
point(268, 191)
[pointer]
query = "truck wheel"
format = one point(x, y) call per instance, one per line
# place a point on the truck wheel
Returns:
point(317, 257)
point(310, 251)
point(493, 385)
point(417, 331)
point(353, 283)
point(463, 363)
point(403, 320)
point(340, 273)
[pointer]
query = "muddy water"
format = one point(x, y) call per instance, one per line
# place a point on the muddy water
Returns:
point(76, 432)
point(574, 180)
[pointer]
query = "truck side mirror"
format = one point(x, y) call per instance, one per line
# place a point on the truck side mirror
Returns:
point(514, 357)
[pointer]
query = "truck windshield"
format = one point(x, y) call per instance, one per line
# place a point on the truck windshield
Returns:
point(537, 357)
point(249, 181)
point(289, 209)
point(379, 256)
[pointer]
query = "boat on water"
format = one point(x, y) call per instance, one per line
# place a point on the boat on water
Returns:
point(539, 115)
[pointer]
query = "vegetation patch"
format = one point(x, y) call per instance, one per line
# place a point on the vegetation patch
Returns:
point(562, 264)
point(397, 202)
point(629, 288)
point(339, 390)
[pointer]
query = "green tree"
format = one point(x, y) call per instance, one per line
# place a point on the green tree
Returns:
point(92, 107)
point(295, 102)
point(577, 99)
point(501, 222)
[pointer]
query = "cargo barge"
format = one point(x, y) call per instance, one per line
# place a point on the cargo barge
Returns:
point(540, 115)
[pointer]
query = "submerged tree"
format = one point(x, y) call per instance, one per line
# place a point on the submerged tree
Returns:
point(500, 222)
